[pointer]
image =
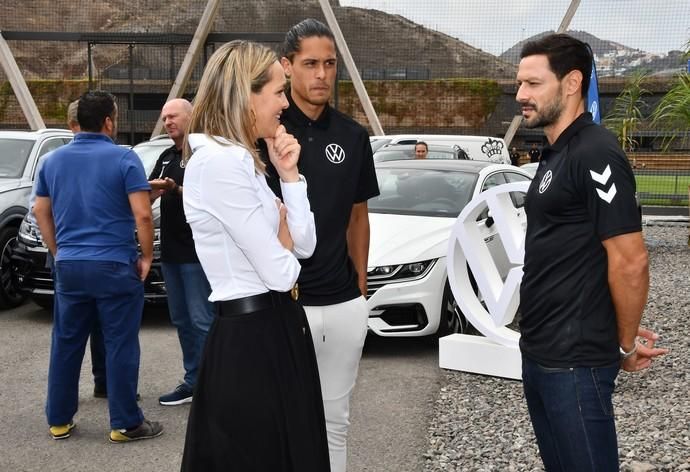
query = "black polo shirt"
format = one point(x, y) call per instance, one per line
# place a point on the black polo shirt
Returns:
point(337, 161)
point(583, 193)
point(177, 243)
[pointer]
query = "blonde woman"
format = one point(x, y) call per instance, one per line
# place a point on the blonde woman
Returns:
point(257, 403)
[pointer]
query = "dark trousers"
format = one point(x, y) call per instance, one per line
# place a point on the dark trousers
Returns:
point(111, 293)
point(190, 312)
point(572, 416)
point(96, 343)
point(97, 347)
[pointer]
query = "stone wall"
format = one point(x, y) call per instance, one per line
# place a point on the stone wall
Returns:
point(52, 98)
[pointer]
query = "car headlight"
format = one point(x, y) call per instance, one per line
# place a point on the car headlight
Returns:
point(383, 270)
point(401, 272)
point(156, 243)
point(29, 232)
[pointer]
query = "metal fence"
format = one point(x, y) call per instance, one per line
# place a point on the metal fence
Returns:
point(429, 67)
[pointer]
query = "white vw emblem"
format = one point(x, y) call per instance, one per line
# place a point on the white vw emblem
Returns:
point(545, 181)
point(468, 247)
point(335, 153)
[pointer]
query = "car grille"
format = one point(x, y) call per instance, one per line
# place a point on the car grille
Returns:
point(374, 285)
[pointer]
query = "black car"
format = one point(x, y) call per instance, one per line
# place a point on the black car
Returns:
point(29, 256)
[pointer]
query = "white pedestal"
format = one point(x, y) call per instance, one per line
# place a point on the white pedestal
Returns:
point(479, 355)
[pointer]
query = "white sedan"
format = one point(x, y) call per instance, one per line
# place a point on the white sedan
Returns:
point(411, 221)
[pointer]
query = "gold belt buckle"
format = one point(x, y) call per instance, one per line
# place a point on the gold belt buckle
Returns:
point(294, 292)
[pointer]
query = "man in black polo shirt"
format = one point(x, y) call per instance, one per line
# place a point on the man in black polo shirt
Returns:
point(186, 284)
point(586, 275)
point(534, 153)
point(337, 162)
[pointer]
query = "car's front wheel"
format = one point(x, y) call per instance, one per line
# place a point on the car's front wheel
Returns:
point(10, 292)
point(452, 320)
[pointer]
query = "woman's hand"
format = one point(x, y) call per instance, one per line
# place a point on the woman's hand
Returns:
point(283, 231)
point(283, 150)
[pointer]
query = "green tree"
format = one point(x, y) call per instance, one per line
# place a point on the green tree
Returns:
point(672, 114)
point(628, 111)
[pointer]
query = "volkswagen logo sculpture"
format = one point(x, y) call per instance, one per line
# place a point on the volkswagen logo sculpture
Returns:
point(494, 303)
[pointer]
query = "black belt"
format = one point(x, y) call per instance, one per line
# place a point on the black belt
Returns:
point(251, 304)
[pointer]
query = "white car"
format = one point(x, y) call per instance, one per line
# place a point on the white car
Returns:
point(408, 291)
point(478, 148)
point(530, 167)
point(150, 151)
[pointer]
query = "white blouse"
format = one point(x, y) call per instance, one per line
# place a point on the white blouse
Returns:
point(235, 220)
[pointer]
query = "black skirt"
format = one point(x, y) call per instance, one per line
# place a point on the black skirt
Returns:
point(257, 404)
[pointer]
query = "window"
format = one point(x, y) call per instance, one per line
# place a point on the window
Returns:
point(15, 153)
point(492, 181)
point(50, 145)
point(517, 197)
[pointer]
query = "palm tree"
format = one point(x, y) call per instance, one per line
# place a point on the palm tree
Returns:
point(672, 114)
point(627, 114)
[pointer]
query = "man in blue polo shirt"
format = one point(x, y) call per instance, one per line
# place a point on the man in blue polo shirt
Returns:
point(96, 339)
point(90, 196)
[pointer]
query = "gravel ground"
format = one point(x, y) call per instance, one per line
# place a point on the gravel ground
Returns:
point(481, 423)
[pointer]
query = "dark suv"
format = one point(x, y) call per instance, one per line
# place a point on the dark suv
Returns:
point(29, 255)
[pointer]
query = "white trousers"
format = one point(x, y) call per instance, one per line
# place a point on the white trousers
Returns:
point(338, 332)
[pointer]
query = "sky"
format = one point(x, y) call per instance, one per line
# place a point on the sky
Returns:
point(656, 26)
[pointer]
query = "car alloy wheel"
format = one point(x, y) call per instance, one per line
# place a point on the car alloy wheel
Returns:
point(10, 292)
point(452, 320)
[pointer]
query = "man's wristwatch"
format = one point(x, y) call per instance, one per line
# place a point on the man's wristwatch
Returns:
point(625, 355)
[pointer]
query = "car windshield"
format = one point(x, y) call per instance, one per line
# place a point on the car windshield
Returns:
point(399, 154)
point(149, 152)
point(423, 192)
point(378, 143)
point(14, 154)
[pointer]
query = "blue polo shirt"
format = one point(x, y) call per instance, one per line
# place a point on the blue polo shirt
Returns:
point(88, 183)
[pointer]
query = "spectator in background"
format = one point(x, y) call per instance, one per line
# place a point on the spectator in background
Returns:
point(514, 156)
point(90, 197)
point(534, 153)
point(187, 287)
point(100, 389)
point(421, 150)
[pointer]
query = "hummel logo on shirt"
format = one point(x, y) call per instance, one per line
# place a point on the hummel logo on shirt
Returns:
point(602, 179)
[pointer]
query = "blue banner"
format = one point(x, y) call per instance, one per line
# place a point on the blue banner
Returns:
point(593, 95)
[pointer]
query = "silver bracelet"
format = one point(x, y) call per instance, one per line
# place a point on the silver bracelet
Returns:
point(625, 355)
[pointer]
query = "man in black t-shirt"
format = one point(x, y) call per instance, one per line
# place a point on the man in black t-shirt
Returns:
point(186, 284)
point(514, 156)
point(534, 153)
point(586, 276)
point(337, 162)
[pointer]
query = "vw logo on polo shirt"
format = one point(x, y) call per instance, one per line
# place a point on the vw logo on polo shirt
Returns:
point(545, 181)
point(493, 304)
point(335, 153)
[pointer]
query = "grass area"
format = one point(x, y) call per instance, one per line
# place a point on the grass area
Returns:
point(663, 189)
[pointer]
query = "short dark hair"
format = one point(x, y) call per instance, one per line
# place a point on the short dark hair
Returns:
point(304, 29)
point(565, 54)
point(94, 107)
point(422, 143)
